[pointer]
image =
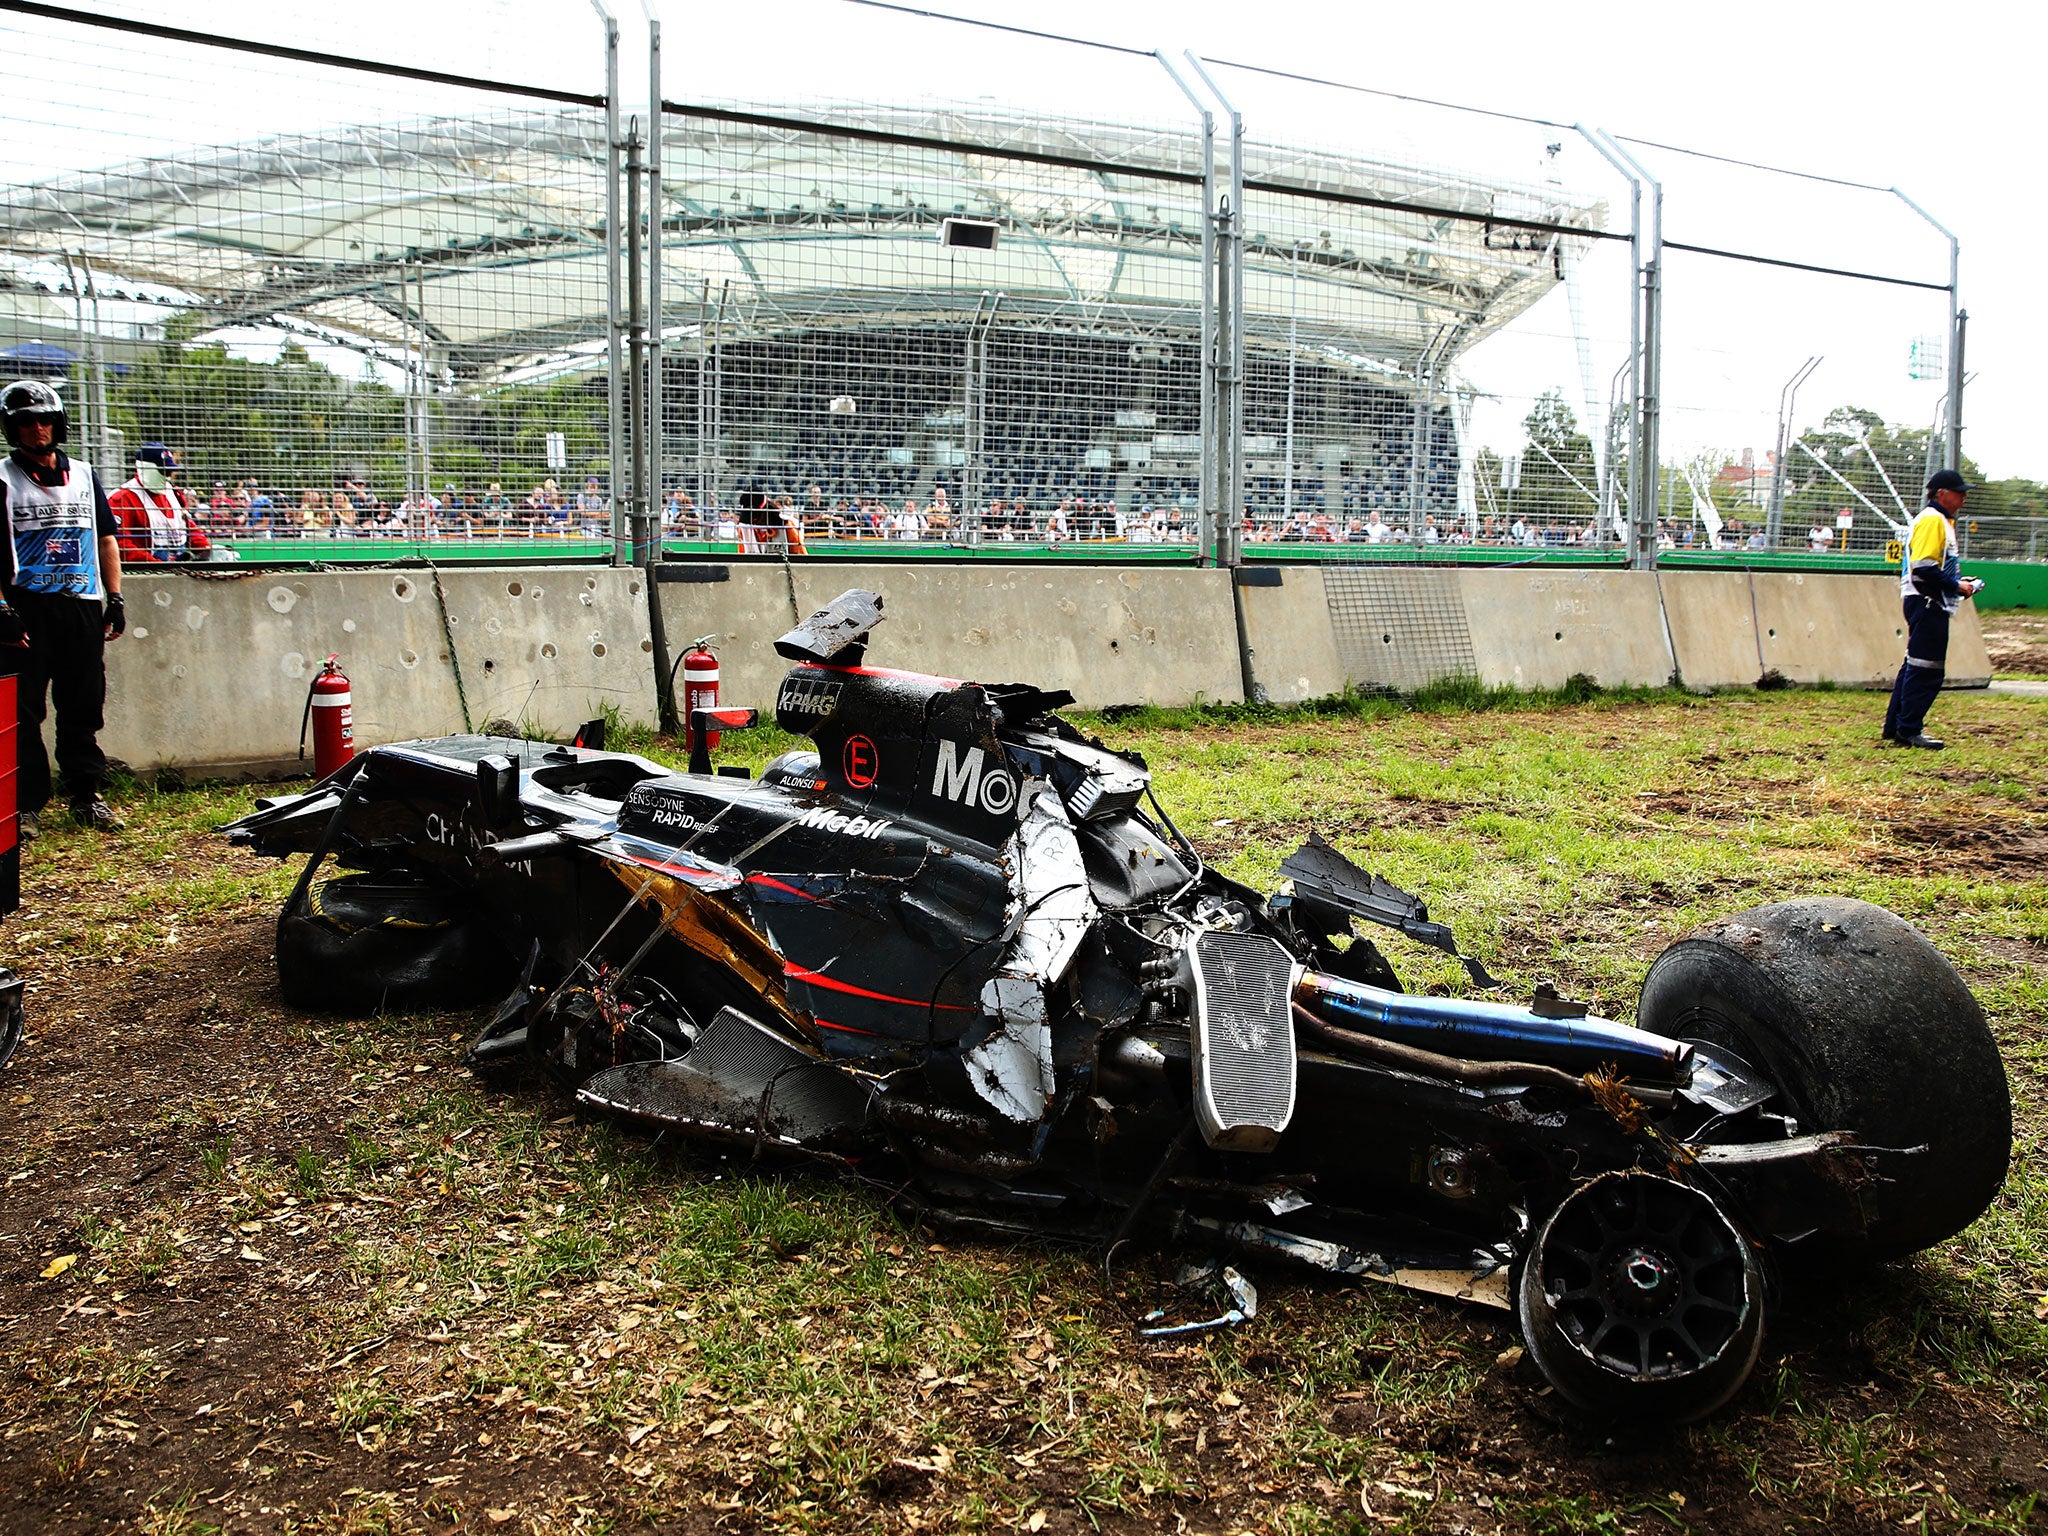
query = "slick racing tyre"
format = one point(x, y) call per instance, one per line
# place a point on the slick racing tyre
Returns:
point(396, 941)
point(1864, 1027)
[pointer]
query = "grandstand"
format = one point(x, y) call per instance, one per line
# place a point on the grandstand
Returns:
point(816, 330)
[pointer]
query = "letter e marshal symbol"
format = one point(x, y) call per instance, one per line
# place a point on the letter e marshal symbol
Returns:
point(860, 761)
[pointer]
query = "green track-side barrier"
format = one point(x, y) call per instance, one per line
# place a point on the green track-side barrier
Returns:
point(2008, 583)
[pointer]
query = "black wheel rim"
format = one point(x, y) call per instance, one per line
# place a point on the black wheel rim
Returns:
point(1646, 1278)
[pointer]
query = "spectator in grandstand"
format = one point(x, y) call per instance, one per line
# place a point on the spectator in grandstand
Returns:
point(1488, 534)
point(308, 518)
point(1354, 531)
point(1758, 540)
point(1376, 530)
point(1176, 529)
point(1056, 528)
point(725, 528)
point(593, 508)
point(1430, 535)
point(1519, 533)
point(155, 521)
point(1820, 538)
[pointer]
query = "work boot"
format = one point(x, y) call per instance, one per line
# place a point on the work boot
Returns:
point(96, 815)
point(1923, 741)
point(27, 826)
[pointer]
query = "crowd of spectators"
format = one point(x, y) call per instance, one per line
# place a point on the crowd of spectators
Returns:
point(752, 517)
point(245, 510)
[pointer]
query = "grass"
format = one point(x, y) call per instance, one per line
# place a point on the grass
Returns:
point(780, 1349)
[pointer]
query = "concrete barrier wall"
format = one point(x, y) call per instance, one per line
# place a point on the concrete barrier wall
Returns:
point(214, 671)
point(1111, 634)
point(1287, 624)
point(1847, 630)
point(1713, 628)
point(1537, 628)
point(1728, 628)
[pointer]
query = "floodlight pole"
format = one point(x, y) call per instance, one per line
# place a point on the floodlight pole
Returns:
point(615, 422)
point(1957, 320)
point(1206, 515)
point(1774, 519)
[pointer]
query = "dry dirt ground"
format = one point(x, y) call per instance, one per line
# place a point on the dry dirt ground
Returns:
point(266, 1271)
point(2017, 640)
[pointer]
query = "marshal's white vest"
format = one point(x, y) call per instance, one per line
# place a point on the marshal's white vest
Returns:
point(55, 529)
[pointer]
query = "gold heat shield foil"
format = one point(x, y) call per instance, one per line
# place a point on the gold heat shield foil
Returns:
point(717, 932)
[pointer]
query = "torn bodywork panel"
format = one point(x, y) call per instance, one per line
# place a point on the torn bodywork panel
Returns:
point(959, 946)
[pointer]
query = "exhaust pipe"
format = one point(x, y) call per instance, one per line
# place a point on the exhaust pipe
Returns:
point(1479, 1031)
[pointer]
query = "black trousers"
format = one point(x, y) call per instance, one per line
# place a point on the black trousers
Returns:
point(64, 665)
point(1919, 681)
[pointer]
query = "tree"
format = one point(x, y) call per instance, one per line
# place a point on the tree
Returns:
point(1559, 480)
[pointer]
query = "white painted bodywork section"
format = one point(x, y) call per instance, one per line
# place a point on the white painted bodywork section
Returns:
point(1050, 911)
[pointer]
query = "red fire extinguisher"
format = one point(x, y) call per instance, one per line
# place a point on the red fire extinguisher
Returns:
point(700, 689)
point(330, 711)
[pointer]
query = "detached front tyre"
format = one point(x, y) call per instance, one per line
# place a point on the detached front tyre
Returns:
point(1640, 1298)
point(397, 940)
point(1863, 1027)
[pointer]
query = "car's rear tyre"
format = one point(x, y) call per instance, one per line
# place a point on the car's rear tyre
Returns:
point(365, 943)
point(1639, 1297)
point(1865, 1028)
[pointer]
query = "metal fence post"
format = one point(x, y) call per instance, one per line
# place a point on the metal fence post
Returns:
point(1230, 338)
point(1643, 550)
point(615, 416)
point(636, 354)
point(657, 623)
point(1206, 514)
point(1956, 321)
point(1640, 488)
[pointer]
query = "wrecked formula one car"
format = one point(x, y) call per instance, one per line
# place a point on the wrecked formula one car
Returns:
point(960, 948)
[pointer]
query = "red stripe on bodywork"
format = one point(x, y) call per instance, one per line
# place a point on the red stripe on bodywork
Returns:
point(844, 1029)
point(780, 886)
point(914, 677)
point(820, 979)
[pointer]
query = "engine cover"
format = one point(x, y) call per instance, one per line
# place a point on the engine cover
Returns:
point(1244, 1040)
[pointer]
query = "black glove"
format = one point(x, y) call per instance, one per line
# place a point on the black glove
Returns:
point(116, 616)
point(12, 631)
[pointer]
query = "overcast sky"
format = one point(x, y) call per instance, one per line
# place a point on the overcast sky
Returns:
point(1930, 99)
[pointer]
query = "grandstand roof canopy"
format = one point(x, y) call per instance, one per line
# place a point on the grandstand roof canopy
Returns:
point(483, 237)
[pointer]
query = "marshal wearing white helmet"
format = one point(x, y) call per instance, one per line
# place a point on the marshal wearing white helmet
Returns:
point(154, 511)
point(62, 605)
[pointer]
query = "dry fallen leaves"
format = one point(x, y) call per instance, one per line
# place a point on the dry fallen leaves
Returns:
point(58, 1265)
